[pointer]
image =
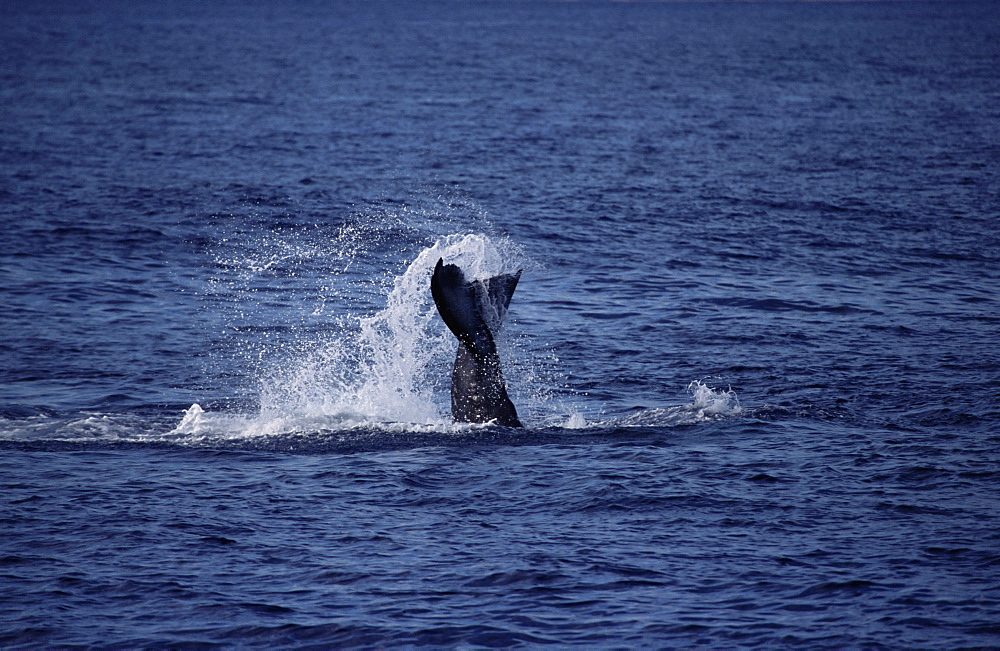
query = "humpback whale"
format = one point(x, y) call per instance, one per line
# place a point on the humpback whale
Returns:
point(473, 311)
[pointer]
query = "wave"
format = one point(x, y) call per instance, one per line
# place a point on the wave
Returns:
point(351, 431)
point(707, 405)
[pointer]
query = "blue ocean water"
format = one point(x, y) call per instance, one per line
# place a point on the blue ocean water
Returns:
point(755, 343)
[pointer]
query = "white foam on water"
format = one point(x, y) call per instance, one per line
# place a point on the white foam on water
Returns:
point(707, 404)
point(83, 426)
point(712, 403)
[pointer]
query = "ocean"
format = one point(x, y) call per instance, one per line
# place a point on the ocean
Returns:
point(755, 342)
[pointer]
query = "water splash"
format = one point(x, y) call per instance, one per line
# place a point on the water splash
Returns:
point(191, 421)
point(336, 329)
point(712, 403)
point(708, 404)
point(391, 368)
point(387, 368)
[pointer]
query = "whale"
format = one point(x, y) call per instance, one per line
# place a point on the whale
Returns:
point(474, 311)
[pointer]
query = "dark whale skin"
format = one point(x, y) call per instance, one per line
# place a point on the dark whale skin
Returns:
point(473, 311)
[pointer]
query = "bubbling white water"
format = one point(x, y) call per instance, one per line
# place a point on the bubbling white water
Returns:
point(707, 404)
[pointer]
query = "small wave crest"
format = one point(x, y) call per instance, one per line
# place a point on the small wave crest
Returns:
point(707, 404)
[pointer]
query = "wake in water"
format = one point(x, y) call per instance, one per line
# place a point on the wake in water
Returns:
point(707, 404)
point(349, 427)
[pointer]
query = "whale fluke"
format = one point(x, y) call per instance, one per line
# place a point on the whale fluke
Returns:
point(473, 311)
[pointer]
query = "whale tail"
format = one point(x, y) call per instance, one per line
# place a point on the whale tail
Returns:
point(473, 311)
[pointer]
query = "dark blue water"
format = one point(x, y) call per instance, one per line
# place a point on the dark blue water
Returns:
point(755, 344)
